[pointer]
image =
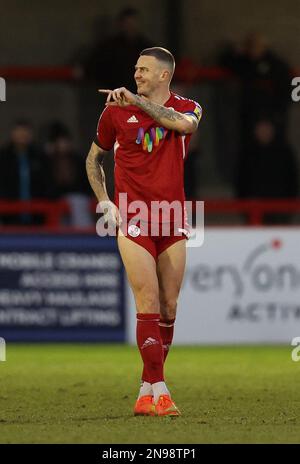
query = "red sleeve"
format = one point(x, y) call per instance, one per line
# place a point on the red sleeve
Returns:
point(106, 133)
point(193, 109)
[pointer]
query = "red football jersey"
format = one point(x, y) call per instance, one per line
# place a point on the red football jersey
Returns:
point(149, 159)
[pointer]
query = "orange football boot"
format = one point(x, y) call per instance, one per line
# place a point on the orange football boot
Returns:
point(166, 407)
point(144, 406)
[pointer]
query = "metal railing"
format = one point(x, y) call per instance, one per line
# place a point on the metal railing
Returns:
point(53, 213)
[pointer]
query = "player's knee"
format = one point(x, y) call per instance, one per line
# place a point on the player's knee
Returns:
point(168, 308)
point(147, 300)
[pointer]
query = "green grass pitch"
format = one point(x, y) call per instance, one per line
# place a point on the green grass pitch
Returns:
point(60, 393)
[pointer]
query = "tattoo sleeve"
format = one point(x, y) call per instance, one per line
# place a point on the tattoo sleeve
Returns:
point(95, 172)
point(168, 117)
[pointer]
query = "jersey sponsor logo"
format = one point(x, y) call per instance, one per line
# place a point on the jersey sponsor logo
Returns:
point(134, 231)
point(132, 119)
point(150, 139)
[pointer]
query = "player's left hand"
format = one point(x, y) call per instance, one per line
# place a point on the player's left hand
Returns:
point(119, 97)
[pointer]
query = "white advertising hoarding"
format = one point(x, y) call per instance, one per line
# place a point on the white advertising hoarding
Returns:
point(241, 286)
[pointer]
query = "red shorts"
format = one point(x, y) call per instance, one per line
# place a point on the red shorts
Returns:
point(155, 243)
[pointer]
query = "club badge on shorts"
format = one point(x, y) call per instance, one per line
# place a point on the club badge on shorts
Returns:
point(134, 231)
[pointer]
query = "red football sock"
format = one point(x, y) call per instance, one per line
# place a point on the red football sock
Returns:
point(145, 375)
point(150, 346)
point(166, 327)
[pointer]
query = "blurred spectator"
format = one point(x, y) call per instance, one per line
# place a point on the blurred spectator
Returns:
point(111, 60)
point(267, 167)
point(265, 82)
point(50, 131)
point(101, 26)
point(23, 172)
point(68, 178)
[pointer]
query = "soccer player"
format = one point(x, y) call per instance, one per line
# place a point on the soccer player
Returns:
point(150, 133)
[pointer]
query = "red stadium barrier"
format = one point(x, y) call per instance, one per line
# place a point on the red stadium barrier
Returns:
point(254, 209)
point(54, 212)
point(37, 73)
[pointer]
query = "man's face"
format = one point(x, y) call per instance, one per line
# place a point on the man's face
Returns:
point(256, 46)
point(129, 26)
point(148, 75)
point(264, 132)
point(21, 136)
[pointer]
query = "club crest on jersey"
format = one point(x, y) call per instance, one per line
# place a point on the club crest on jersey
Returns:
point(134, 231)
point(151, 138)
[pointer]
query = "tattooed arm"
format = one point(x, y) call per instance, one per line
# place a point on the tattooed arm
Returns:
point(167, 117)
point(96, 176)
point(95, 172)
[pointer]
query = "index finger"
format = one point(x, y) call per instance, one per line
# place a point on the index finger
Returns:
point(104, 90)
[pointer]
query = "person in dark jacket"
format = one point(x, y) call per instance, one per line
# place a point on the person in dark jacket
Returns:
point(265, 82)
point(112, 60)
point(68, 179)
point(23, 170)
point(267, 167)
